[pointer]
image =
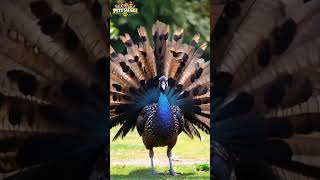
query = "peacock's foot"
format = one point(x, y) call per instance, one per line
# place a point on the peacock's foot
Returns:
point(154, 173)
point(173, 173)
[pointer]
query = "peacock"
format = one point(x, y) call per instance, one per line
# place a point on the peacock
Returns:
point(265, 94)
point(53, 83)
point(160, 88)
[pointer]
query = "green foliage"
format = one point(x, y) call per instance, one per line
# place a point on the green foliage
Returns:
point(202, 167)
point(114, 32)
point(191, 15)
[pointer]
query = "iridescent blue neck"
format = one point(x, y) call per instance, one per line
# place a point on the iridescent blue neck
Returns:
point(163, 110)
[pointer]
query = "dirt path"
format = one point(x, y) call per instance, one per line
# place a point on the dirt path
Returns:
point(158, 162)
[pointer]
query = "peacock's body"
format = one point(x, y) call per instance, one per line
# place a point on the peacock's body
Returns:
point(160, 123)
point(266, 89)
point(161, 90)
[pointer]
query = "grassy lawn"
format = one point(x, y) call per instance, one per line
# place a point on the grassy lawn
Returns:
point(141, 172)
point(130, 160)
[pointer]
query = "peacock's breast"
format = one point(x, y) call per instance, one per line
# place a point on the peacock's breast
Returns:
point(159, 128)
point(164, 124)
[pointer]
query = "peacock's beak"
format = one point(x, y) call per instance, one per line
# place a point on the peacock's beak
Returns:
point(163, 86)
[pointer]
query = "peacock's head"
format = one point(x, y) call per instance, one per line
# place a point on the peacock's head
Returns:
point(163, 83)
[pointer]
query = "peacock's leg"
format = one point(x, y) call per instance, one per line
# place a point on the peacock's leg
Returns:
point(151, 154)
point(169, 154)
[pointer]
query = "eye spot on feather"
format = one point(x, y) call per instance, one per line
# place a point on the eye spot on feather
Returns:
point(114, 97)
point(128, 43)
point(51, 24)
point(155, 36)
point(126, 97)
point(166, 36)
point(125, 68)
point(136, 58)
point(179, 70)
point(49, 21)
point(284, 35)
point(196, 90)
point(71, 40)
point(15, 114)
point(193, 43)
point(185, 57)
point(264, 54)
point(144, 54)
point(161, 37)
point(204, 91)
point(175, 54)
point(176, 38)
point(131, 61)
point(192, 79)
point(122, 64)
point(198, 73)
point(26, 82)
point(131, 73)
point(117, 87)
point(114, 55)
point(144, 39)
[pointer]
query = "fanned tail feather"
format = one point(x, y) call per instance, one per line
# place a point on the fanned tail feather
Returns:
point(134, 84)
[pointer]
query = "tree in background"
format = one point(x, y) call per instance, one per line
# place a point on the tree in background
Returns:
point(191, 15)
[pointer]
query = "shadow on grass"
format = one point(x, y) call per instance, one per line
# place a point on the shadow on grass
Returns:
point(146, 174)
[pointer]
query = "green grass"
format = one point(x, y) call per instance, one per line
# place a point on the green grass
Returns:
point(130, 159)
point(141, 172)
